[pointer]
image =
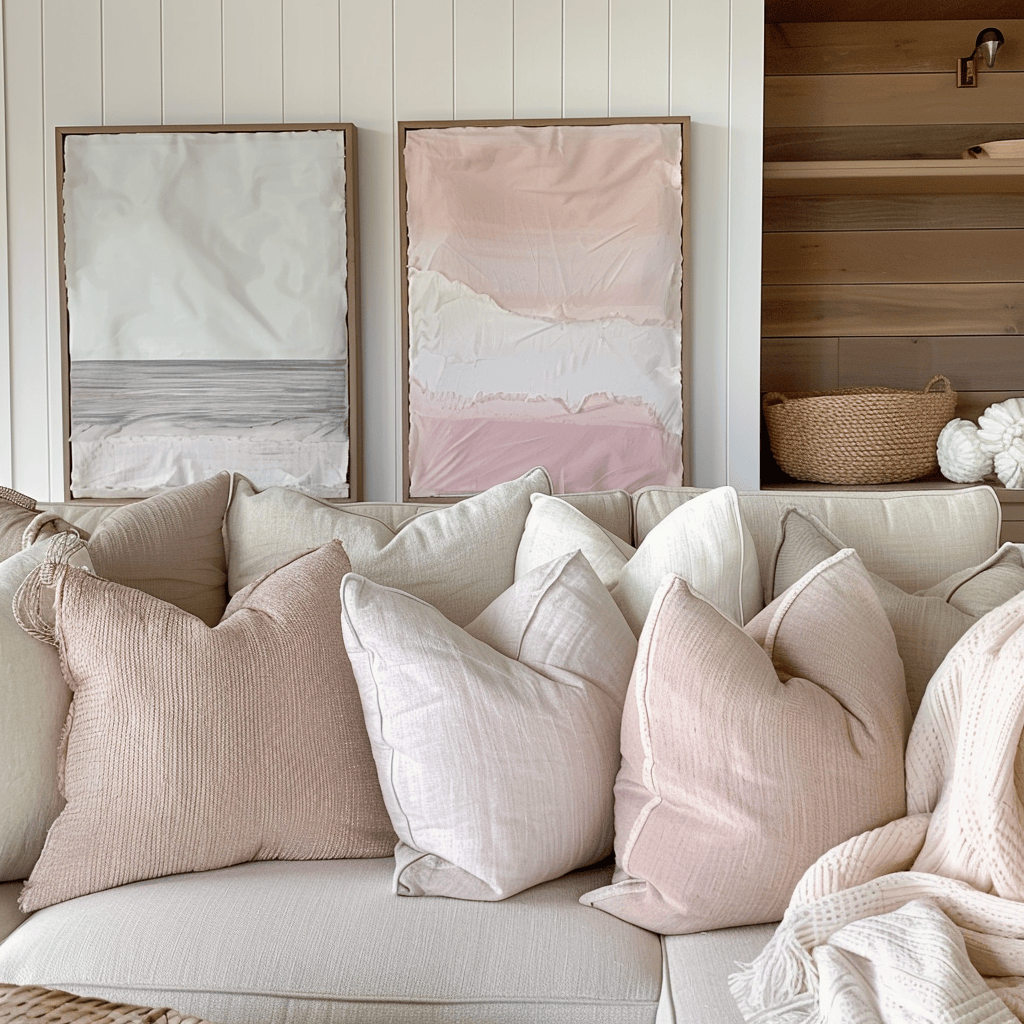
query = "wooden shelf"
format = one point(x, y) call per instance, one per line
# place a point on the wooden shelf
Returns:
point(882, 177)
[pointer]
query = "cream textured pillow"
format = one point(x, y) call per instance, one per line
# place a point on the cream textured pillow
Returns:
point(747, 753)
point(705, 541)
point(457, 557)
point(927, 624)
point(171, 546)
point(497, 745)
point(191, 748)
point(33, 707)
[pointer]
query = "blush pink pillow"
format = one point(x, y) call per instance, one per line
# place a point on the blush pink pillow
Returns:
point(749, 752)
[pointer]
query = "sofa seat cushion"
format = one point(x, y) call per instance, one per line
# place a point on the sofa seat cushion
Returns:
point(328, 941)
point(697, 969)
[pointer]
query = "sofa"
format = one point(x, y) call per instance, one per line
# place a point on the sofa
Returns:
point(304, 937)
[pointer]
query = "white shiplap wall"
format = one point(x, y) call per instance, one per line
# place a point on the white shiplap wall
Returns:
point(376, 62)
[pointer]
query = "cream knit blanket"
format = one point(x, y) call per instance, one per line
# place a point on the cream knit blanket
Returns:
point(921, 920)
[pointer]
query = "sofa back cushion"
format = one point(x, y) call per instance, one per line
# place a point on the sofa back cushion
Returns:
point(914, 539)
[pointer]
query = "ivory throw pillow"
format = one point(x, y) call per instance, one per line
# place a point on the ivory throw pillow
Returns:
point(747, 753)
point(927, 624)
point(171, 546)
point(496, 745)
point(456, 557)
point(190, 748)
point(33, 707)
point(705, 541)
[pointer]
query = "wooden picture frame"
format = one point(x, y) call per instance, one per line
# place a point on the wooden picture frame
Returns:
point(209, 306)
point(458, 441)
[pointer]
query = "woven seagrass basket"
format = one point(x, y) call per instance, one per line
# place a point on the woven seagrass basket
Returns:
point(21, 1004)
point(859, 435)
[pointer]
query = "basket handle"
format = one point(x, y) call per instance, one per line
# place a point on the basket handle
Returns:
point(946, 386)
point(773, 398)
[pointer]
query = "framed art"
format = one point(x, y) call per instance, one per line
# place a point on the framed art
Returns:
point(544, 304)
point(209, 306)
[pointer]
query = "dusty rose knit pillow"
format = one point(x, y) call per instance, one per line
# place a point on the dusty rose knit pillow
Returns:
point(749, 752)
point(22, 524)
point(192, 747)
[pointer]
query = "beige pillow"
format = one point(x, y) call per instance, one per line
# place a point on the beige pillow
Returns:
point(190, 748)
point(171, 546)
point(497, 745)
point(747, 753)
point(705, 541)
point(22, 524)
point(927, 624)
point(33, 707)
point(457, 557)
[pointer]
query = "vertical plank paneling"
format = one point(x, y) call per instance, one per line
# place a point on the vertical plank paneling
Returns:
point(483, 58)
point(424, 60)
point(638, 57)
point(585, 58)
point(537, 58)
point(131, 62)
point(72, 94)
point(367, 100)
point(312, 82)
point(26, 227)
point(6, 423)
point(700, 88)
point(192, 62)
point(253, 83)
point(745, 174)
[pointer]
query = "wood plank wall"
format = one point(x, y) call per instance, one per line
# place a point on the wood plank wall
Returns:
point(888, 290)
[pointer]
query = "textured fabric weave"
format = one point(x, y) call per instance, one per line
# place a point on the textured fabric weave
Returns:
point(170, 546)
point(705, 541)
point(458, 557)
point(926, 624)
point(327, 942)
point(33, 707)
point(746, 754)
point(191, 748)
point(22, 523)
point(497, 745)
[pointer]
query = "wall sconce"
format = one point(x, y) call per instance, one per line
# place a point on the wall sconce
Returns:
point(989, 40)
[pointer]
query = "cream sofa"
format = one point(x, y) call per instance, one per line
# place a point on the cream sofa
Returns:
point(328, 940)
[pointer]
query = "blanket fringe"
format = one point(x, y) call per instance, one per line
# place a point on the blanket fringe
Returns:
point(781, 985)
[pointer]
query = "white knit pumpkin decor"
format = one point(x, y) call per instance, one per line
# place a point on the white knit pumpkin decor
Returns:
point(1001, 433)
point(961, 456)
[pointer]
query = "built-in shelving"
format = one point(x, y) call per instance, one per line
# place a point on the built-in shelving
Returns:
point(881, 177)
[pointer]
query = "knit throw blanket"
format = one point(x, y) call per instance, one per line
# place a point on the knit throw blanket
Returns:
point(921, 920)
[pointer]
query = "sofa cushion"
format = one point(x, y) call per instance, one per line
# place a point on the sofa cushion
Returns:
point(912, 538)
point(926, 624)
point(190, 748)
point(34, 700)
point(496, 745)
point(327, 942)
point(747, 753)
point(458, 557)
point(705, 541)
point(170, 546)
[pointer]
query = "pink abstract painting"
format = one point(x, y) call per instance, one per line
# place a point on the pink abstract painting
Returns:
point(544, 305)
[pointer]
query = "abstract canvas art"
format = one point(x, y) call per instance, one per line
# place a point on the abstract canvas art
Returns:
point(208, 278)
point(544, 309)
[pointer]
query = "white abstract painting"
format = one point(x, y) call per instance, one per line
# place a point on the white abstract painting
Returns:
point(206, 276)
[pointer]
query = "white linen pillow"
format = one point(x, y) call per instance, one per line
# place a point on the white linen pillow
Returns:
point(705, 541)
point(458, 557)
point(496, 745)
